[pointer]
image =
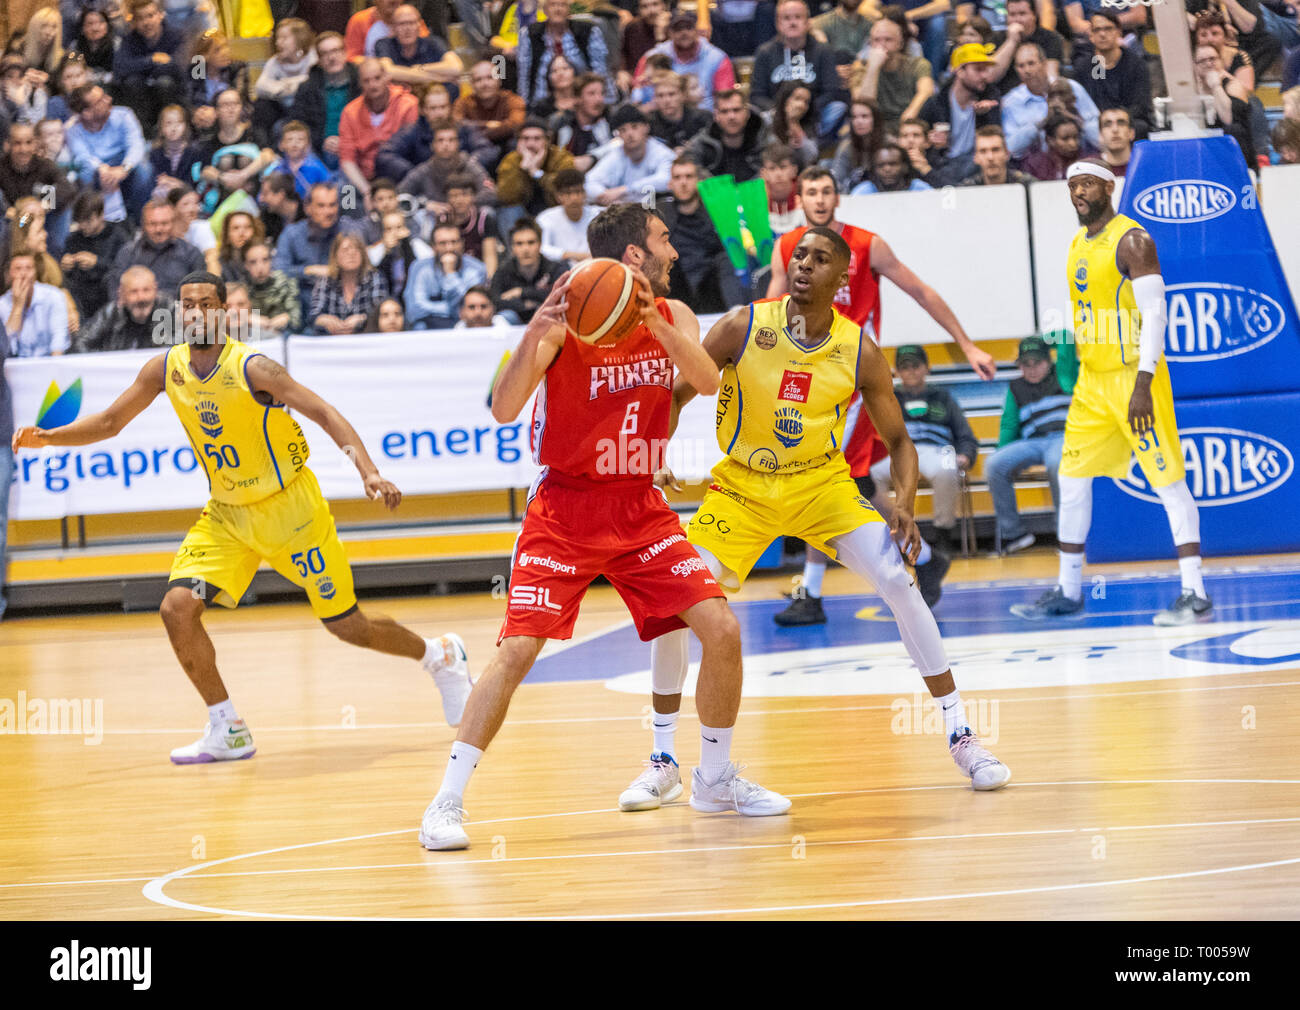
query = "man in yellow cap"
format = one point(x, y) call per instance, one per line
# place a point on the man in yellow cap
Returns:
point(967, 102)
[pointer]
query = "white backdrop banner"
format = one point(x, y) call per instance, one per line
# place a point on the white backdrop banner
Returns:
point(149, 466)
point(418, 401)
point(968, 243)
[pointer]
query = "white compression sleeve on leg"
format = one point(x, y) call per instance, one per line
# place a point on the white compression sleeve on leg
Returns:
point(1075, 509)
point(670, 653)
point(1149, 292)
point(1184, 517)
point(870, 553)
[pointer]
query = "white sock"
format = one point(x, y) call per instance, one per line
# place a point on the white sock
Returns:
point(954, 714)
point(1071, 577)
point(664, 725)
point(1190, 568)
point(923, 558)
point(460, 766)
point(222, 713)
point(715, 753)
point(813, 573)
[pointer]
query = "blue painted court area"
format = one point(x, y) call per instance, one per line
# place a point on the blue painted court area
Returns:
point(1256, 626)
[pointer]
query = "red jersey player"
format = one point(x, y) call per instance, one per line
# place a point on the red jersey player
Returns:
point(600, 426)
point(870, 258)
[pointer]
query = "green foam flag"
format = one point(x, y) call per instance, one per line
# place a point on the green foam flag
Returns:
point(722, 201)
point(753, 200)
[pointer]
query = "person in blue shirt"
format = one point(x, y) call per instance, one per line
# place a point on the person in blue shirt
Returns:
point(639, 167)
point(303, 249)
point(436, 287)
point(300, 161)
point(891, 172)
point(35, 315)
point(108, 145)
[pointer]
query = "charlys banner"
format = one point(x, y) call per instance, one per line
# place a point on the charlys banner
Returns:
point(1232, 328)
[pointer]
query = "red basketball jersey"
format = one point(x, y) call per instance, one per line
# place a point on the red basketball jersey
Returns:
point(602, 412)
point(860, 300)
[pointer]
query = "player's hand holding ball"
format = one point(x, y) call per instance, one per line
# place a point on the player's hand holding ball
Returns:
point(606, 300)
point(29, 438)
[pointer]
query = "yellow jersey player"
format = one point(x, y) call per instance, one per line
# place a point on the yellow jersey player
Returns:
point(1123, 404)
point(265, 506)
point(790, 366)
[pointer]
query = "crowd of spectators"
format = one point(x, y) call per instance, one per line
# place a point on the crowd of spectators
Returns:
point(381, 176)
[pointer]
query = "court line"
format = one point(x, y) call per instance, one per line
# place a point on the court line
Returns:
point(576, 720)
point(154, 890)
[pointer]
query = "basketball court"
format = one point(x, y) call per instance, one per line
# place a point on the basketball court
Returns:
point(1154, 772)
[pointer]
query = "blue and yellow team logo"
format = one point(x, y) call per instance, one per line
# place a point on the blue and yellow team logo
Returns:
point(788, 427)
point(59, 408)
point(209, 418)
point(1081, 275)
point(325, 586)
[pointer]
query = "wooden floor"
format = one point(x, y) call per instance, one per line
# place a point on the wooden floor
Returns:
point(1143, 799)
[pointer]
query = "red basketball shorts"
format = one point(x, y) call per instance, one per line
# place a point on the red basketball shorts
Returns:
point(576, 530)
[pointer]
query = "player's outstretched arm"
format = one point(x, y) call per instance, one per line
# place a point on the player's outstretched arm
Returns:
point(107, 423)
point(884, 262)
point(877, 387)
point(779, 281)
point(270, 377)
point(681, 339)
point(542, 341)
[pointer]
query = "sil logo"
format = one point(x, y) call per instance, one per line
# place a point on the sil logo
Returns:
point(788, 427)
point(59, 408)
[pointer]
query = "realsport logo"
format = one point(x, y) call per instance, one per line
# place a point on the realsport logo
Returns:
point(1224, 467)
point(1209, 321)
point(1185, 201)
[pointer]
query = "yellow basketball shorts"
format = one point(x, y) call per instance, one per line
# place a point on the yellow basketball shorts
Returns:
point(1098, 439)
point(744, 511)
point(292, 530)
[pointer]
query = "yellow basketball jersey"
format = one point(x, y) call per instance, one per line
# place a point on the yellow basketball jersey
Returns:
point(1106, 317)
point(248, 450)
point(781, 406)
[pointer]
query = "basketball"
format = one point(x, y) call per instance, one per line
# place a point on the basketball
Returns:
point(602, 304)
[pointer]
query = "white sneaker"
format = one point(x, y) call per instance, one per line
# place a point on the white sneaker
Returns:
point(984, 770)
point(731, 792)
point(448, 663)
point(440, 829)
point(660, 783)
point(229, 742)
point(1019, 544)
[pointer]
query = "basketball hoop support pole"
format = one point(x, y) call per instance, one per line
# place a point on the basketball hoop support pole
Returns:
point(1185, 111)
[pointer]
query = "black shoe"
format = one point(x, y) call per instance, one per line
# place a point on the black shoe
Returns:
point(802, 610)
point(1187, 609)
point(1053, 603)
point(929, 576)
point(944, 539)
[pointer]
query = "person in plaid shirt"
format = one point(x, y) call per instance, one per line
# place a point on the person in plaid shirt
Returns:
point(341, 300)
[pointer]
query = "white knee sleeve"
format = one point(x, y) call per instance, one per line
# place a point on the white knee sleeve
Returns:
point(870, 552)
point(670, 652)
point(1075, 509)
point(1184, 517)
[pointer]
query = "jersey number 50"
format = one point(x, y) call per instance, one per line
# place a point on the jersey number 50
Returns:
point(224, 455)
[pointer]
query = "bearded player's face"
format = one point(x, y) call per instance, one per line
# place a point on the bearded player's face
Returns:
point(660, 257)
point(1090, 197)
